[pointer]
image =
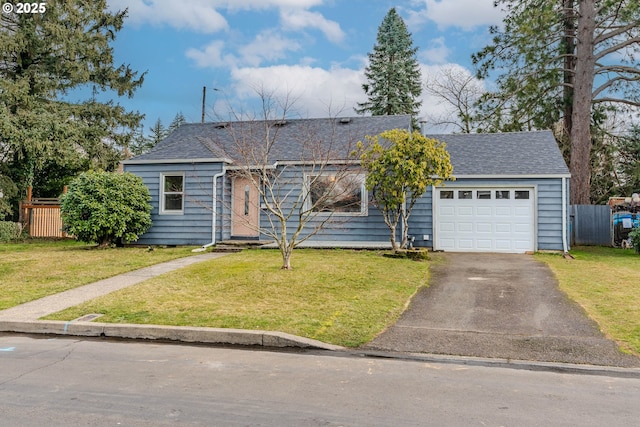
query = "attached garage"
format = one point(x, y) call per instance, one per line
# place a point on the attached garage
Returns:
point(498, 219)
point(510, 195)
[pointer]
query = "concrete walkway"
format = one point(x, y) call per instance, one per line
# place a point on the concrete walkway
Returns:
point(24, 318)
point(52, 304)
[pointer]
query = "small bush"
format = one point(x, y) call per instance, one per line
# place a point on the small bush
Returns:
point(412, 254)
point(634, 235)
point(9, 231)
point(105, 207)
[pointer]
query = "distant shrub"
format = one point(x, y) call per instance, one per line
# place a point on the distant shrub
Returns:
point(9, 231)
point(104, 207)
point(634, 235)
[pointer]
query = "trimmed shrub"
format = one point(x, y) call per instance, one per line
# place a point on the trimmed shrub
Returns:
point(634, 235)
point(105, 207)
point(412, 254)
point(9, 231)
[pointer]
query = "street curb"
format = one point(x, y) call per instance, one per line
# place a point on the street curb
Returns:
point(272, 339)
point(184, 334)
point(554, 367)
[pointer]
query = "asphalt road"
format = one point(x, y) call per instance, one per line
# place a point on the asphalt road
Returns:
point(79, 382)
point(499, 306)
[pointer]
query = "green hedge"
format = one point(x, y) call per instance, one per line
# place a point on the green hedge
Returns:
point(9, 231)
point(634, 235)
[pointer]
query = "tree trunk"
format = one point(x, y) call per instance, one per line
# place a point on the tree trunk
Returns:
point(286, 252)
point(394, 242)
point(583, 87)
point(569, 65)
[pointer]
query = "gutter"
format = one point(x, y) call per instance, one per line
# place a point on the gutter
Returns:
point(214, 216)
point(565, 246)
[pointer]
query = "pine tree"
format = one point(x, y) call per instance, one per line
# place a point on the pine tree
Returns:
point(563, 61)
point(43, 56)
point(140, 143)
point(393, 74)
point(177, 121)
point(157, 133)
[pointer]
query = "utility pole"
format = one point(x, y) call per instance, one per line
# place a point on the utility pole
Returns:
point(204, 97)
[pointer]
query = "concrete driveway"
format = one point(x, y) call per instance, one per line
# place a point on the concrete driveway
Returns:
point(498, 306)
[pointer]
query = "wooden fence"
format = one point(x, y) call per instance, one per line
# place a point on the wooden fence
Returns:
point(42, 216)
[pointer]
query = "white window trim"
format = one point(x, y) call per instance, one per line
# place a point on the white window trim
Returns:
point(364, 203)
point(162, 210)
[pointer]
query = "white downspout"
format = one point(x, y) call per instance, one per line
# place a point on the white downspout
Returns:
point(214, 216)
point(565, 246)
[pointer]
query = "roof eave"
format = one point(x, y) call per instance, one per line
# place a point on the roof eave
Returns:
point(175, 161)
point(512, 176)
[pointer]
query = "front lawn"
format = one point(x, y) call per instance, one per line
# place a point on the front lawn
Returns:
point(606, 282)
point(39, 268)
point(336, 296)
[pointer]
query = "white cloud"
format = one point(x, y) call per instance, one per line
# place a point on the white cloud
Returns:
point(196, 15)
point(465, 14)
point(296, 19)
point(267, 46)
point(204, 16)
point(318, 92)
point(266, 4)
point(321, 93)
point(436, 52)
point(210, 56)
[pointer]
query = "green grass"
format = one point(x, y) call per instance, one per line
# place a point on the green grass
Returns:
point(38, 268)
point(606, 283)
point(336, 296)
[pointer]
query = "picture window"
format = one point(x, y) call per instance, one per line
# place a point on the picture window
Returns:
point(344, 194)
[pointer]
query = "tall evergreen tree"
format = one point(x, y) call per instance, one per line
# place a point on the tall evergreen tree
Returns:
point(157, 133)
point(393, 74)
point(140, 143)
point(561, 61)
point(177, 121)
point(43, 56)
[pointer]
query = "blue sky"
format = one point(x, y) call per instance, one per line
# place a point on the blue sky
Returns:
point(315, 51)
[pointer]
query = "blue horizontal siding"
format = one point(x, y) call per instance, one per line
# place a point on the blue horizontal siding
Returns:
point(339, 228)
point(193, 227)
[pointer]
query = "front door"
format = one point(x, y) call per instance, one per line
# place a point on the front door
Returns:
point(246, 208)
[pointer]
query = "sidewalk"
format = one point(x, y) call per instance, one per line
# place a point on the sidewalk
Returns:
point(24, 318)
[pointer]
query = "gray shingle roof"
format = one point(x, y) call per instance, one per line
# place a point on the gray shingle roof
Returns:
point(294, 140)
point(496, 154)
point(512, 153)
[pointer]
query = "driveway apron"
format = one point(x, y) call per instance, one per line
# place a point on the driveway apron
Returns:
point(498, 306)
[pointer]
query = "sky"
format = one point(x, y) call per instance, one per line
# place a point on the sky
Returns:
point(313, 52)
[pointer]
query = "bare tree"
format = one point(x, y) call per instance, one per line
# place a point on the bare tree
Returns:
point(304, 179)
point(458, 91)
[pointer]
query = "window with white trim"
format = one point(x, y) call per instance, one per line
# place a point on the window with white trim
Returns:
point(172, 194)
point(341, 194)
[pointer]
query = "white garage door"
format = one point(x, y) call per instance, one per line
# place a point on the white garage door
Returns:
point(485, 220)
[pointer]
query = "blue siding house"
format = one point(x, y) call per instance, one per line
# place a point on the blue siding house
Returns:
point(510, 193)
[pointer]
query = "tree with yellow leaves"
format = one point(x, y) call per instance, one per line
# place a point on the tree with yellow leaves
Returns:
point(400, 166)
